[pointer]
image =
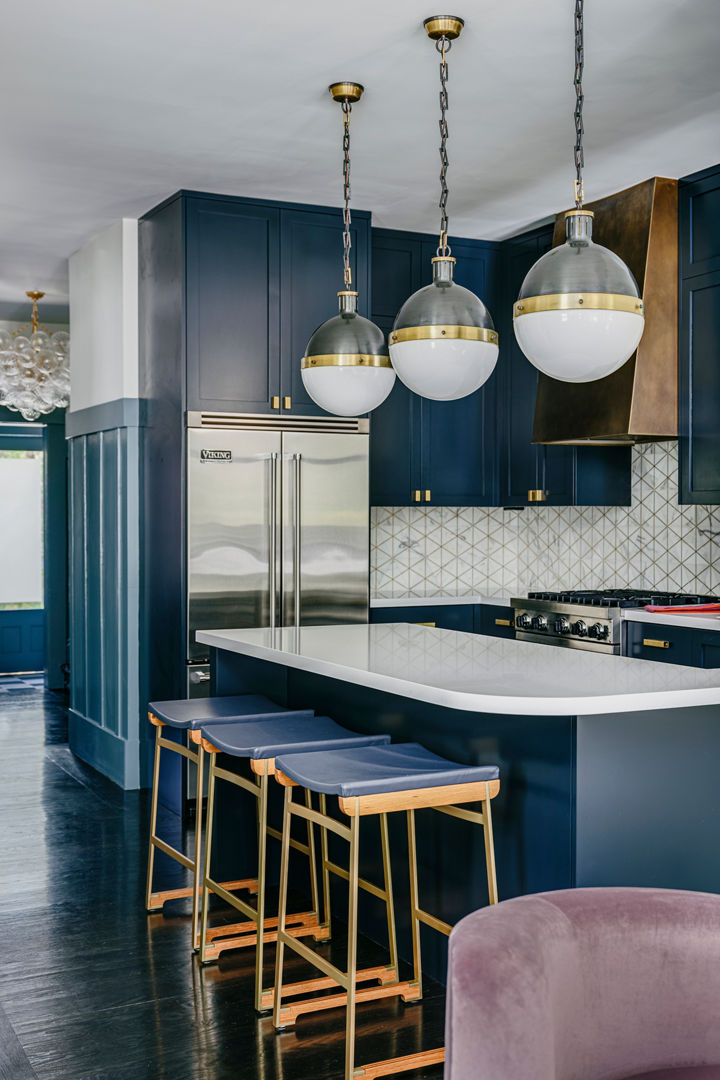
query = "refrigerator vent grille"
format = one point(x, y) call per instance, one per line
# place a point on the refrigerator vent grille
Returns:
point(260, 422)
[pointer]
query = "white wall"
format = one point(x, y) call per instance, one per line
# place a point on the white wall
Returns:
point(104, 317)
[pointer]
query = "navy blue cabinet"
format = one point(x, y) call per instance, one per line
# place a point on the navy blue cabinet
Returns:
point(699, 345)
point(443, 616)
point(495, 620)
point(566, 475)
point(441, 453)
point(673, 644)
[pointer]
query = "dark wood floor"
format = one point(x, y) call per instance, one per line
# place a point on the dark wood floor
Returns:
point(91, 988)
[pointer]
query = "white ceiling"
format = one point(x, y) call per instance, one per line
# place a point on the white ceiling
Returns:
point(107, 108)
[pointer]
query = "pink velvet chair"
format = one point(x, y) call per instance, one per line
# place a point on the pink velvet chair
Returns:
point(587, 984)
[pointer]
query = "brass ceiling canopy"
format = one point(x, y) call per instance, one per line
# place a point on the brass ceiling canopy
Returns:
point(443, 26)
point(348, 92)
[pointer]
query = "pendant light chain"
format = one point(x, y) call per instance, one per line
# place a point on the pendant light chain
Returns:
point(347, 109)
point(443, 47)
point(579, 64)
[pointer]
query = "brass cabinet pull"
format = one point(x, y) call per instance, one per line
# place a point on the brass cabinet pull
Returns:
point(427, 494)
point(417, 495)
point(287, 403)
point(537, 495)
point(503, 622)
point(655, 643)
point(275, 402)
point(424, 624)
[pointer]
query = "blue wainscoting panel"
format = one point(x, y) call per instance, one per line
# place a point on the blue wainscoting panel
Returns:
point(104, 589)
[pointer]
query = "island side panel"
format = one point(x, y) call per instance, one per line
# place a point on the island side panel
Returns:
point(533, 816)
point(648, 799)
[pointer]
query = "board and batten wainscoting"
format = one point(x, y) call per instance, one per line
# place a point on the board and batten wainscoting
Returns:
point(654, 543)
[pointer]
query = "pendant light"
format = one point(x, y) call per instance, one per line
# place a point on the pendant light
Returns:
point(443, 344)
point(346, 369)
point(579, 315)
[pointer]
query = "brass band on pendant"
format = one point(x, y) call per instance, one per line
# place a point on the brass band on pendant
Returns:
point(439, 26)
point(367, 360)
point(440, 333)
point(577, 301)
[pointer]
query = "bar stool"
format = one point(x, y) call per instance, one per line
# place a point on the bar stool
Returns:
point(260, 742)
point(188, 715)
point(374, 780)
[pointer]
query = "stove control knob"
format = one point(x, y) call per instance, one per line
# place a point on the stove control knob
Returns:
point(539, 622)
point(523, 622)
point(562, 625)
point(580, 628)
point(598, 631)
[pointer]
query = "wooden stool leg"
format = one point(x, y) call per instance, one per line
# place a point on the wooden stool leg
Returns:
point(262, 863)
point(153, 820)
point(197, 871)
point(414, 900)
point(353, 870)
point(489, 852)
point(325, 856)
point(208, 854)
point(390, 902)
point(282, 908)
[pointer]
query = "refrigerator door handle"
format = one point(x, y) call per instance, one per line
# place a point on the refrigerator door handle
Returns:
point(297, 554)
point(272, 546)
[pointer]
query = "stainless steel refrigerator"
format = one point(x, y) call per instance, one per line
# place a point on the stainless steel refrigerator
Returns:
point(277, 525)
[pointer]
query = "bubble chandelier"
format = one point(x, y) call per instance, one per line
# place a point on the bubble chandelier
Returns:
point(34, 370)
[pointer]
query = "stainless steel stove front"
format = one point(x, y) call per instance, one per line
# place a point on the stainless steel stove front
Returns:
point(571, 626)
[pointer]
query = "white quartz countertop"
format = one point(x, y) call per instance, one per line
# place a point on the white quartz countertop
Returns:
point(474, 672)
point(438, 601)
point(696, 621)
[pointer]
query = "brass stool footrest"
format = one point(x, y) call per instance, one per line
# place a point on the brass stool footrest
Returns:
point(408, 991)
point(400, 1064)
point(214, 948)
point(233, 929)
point(157, 899)
point(383, 974)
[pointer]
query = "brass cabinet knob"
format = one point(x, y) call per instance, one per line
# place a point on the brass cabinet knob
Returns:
point(287, 403)
point(655, 643)
point(427, 494)
point(275, 402)
point(536, 495)
point(417, 496)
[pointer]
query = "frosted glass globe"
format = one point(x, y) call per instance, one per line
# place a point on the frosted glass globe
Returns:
point(575, 345)
point(443, 370)
point(348, 391)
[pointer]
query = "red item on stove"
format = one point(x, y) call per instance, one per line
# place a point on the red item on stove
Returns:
point(686, 607)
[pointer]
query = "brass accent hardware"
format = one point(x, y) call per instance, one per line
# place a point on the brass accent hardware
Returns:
point(422, 333)
point(573, 301)
point(417, 496)
point(424, 624)
point(443, 258)
point(503, 622)
point(439, 26)
point(275, 402)
point(345, 360)
point(346, 91)
point(427, 494)
point(655, 643)
point(536, 495)
point(287, 403)
point(580, 213)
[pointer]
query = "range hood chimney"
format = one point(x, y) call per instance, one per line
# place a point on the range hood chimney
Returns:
point(638, 403)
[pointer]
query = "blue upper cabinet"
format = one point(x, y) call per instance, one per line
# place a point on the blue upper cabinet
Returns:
point(312, 273)
point(233, 289)
point(699, 345)
point(438, 453)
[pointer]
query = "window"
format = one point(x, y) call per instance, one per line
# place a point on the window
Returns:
point(21, 529)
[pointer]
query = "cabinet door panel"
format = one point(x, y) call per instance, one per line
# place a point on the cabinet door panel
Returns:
point(700, 389)
point(700, 225)
point(232, 260)
point(312, 274)
point(443, 617)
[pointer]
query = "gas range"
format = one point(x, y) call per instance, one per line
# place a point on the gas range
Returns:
point(586, 618)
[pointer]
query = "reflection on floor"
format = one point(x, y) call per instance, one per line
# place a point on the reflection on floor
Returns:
point(91, 988)
point(21, 682)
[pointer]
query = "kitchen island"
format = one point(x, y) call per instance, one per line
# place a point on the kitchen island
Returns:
point(608, 764)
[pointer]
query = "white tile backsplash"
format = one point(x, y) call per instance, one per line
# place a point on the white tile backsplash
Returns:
point(652, 544)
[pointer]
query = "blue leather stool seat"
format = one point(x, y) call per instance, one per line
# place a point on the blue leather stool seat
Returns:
point(374, 770)
point(197, 712)
point(266, 738)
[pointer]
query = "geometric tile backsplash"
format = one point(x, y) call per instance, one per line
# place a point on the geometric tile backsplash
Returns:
point(653, 544)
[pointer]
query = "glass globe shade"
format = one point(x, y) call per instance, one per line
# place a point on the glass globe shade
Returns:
point(579, 316)
point(346, 369)
point(443, 345)
point(444, 369)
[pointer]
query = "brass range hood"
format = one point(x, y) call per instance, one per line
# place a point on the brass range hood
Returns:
point(638, 403)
